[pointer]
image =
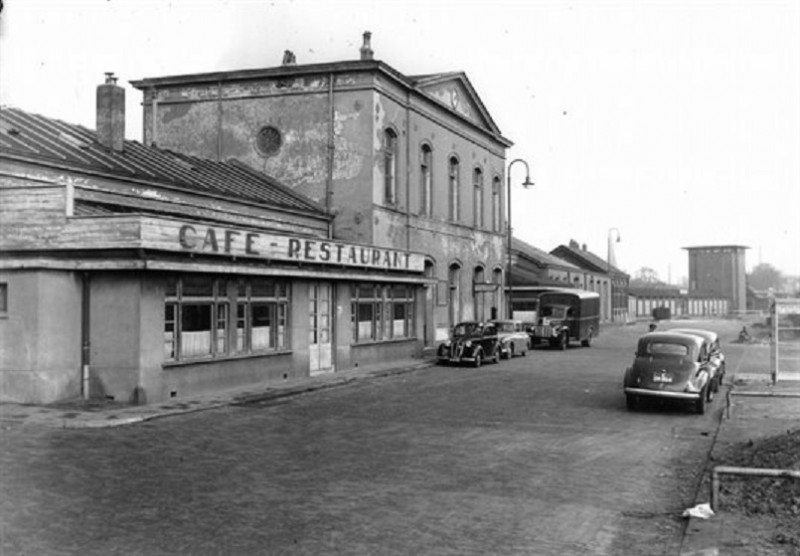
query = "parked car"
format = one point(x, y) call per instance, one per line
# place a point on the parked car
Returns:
point(715, 356)
point(672, 366)
point(471, 342)
point(514, 340)
point(566, 315)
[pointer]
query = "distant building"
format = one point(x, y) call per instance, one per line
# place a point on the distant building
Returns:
point(649, 300)
point(607, 280)
point(531, 266)
point(719, 271)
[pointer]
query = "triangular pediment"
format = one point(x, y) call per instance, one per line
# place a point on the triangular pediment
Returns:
point(455, 92)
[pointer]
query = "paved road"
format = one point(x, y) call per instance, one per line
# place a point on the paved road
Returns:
point(532, 456)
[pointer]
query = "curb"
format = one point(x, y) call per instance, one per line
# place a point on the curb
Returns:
point(101, 420)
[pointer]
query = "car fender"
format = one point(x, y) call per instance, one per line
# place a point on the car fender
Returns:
point(703, 377)
point(626, 380)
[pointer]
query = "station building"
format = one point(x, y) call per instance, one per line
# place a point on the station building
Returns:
point(413, 163)
point(139, 274)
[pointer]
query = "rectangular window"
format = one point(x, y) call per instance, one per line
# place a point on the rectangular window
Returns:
point(170, 339)
point(477, 197)
point(205, 318)
point(3, 299)
point(381, 312)
point(496, 207)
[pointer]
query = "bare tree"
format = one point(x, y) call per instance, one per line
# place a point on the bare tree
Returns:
point(765, 276)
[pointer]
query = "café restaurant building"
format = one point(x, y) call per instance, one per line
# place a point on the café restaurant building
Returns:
point(137, 274)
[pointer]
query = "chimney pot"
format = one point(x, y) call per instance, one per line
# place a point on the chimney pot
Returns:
point(111, 114)
point(366, 48)
point(289, 58)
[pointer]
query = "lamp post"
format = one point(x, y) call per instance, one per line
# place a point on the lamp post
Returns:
point(526, 183)
point(611, 259)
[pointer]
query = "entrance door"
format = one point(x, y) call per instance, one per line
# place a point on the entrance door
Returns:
point(320, 346)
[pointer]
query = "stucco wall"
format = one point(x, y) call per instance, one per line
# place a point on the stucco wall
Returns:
point(40, 337)
point(115, 341)
point(223, 118)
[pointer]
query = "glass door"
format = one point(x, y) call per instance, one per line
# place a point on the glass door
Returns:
point(320, 330)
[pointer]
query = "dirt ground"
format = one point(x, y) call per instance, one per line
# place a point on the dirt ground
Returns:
point(772, 503)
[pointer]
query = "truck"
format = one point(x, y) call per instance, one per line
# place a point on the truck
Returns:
point(566, 315)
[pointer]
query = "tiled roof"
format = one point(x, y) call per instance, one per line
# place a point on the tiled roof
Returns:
point(69, 146)
point(600, 264)
point(541, 257)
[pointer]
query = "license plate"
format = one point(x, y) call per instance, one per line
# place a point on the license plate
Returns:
point(662, 378)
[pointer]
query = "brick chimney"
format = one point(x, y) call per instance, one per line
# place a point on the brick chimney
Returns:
point(111, 114)
point(366, 48)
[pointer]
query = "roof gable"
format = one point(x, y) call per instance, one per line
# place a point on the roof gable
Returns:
point(454, 90)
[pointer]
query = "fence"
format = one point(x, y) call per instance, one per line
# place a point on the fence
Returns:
point(785, 336)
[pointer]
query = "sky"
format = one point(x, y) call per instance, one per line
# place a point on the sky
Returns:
point(666, 124)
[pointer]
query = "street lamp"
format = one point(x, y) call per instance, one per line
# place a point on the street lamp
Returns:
point(526, 183)
point(611, 262)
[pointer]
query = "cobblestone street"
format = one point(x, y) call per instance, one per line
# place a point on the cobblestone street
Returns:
point(532, 456)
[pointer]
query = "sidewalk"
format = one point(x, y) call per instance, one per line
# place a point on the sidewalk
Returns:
point(756, 409)
point(99, 414)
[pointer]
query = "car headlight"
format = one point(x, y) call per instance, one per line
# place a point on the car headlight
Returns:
point(468, 343)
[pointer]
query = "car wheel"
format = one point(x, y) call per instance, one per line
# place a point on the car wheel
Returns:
point(631, 402)
point(477, 362)
point(700, 404)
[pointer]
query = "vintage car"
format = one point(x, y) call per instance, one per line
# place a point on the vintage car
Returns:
point(669, 366)
point(514, 339)
point(471, 342)
point(715, 355)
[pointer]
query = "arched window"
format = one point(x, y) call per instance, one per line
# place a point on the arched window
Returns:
point(453, 172)
point(477, 197)
point(390, 167)
point(426, 180)
point(454, 297)
point(497, 207)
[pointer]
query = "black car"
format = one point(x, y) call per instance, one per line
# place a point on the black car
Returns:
point(472, 342)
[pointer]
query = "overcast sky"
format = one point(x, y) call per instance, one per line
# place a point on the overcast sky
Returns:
point(675, 122)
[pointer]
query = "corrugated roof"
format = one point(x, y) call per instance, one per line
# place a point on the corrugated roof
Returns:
point(65, 145)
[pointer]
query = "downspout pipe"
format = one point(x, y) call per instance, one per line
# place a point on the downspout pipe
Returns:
point(85, 334)
point(408, 170)
point(331, 152)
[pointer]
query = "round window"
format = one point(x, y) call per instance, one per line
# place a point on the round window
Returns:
point(268, 141)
